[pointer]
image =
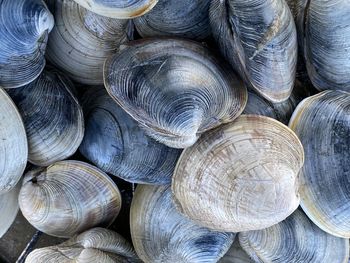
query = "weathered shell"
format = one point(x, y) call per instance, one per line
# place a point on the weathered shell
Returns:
point(114, 142)
point(13, 144)
point(117, 8)
point(182, 18)
point(68, 197)
point(324, 39)
point(322, 123)
point(261, 45)
point(174, 88)
point(81, 41)
point(95, 245)
point(161, 235)
point(8, 209)
point(52, 117)
point(241, 176)
point(236, 255)
point(24, 28)
point(296, 240)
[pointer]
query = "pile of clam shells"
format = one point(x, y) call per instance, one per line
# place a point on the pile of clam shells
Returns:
point(229, 119)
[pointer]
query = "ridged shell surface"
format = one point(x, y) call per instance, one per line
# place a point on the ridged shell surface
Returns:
point(236, 254)
point(8, 209)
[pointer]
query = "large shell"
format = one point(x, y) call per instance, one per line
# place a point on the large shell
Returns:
point(115, 143)
point(8, 209)
point(174, 88)
point(81, 41)
point(236, 255)
point(241, 176)
point(322, 123)
point(95, 245)
point(260, 44)
point(68, 197)
point(182, 18)
point(24, 28)
point(52, 117)
point(161, 235)
point(296, 240)
point(13, 144)
point(117, 8)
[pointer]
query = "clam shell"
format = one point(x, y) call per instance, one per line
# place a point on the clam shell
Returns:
point(182, 18)
point(68, 197)
point(160, 234)
point(95, 245)
point(296, 239)
point(81, 41)
point(241, 176)
point(8, 209)
point(114, 142)
point(52, 117)
point(24, 28)
point(13, 144)
point(236, 254)
point(118, 9)
point(322, 123)
point(260, 45)
point(200, 93)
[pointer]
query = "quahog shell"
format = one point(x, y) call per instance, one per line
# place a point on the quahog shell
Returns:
point(200, 93)
point(8, 209)
point(241, 176)
point(261, 45)
point(181, 18)
point(68, 197)
point(13, 144)
point(81, 41)
point(118, 8)
point(95, 245)
point(322, 123)
point(236, 254)
point(24, 28)
point(162, 235)
point(52, 117)
point(296, 240)
point(114, 142)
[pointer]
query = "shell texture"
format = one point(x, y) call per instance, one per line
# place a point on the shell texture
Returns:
point(236, 254)
point(69, 197)
point(24, 29)
point(81, 41)
point(114, 142)
point(8, 209)
point(52, 117)
point(296, 240)
point(258, 38)
point(182, 18)
point(162, 235)
point(322, 123)
point(200, 93)
point(241, 176)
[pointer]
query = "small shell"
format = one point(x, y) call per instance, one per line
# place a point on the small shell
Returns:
point(296, 240)
point(241, 176)
point(81, 41)
point(8, 209)
point(322, 123)
point(68, 197)
point(115, 143)
point(117, 8)
point(161, 235)
point(95, 245)
point(261, 45)
point(182, 18)
point(200, 93)
point(24, 28)
point(13, 144)
point(236, 255)
point(52, 117)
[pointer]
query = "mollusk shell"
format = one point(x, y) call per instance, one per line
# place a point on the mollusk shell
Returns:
point(236, 254)
point(8, 209)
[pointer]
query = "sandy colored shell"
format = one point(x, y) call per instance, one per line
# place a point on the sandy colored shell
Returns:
point(322, 123)
point(236, 254)
point(69, 197)
point(200, 94)
point(95, 245)
point(8, 209)
point(52, 117)
point(296, 240)
point(24, 29)
point(241, 176)
point(162, 235)
point(81, 41)
point(114, 142)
